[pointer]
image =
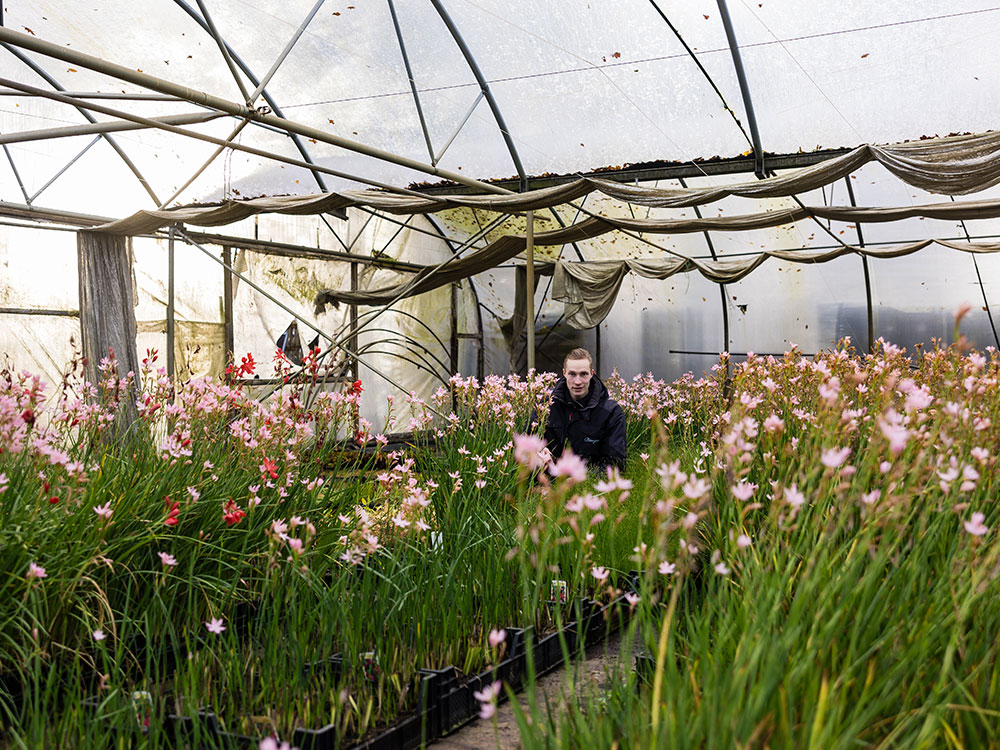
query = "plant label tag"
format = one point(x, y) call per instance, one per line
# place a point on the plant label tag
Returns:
point(558, 592)
point(369, 665)
point(142, 707)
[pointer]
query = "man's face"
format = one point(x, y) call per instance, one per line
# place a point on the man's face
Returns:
point(577, 373)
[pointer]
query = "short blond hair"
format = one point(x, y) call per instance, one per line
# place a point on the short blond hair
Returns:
point(579, 353)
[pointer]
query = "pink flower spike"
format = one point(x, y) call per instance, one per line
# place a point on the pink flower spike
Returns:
point(36, 571)
point(487, 698)
point(975, 526)
point(215, 625)
point(497, 637)
point(527, 451)
point(167, 559)
point(570, 466)
point(834, 457)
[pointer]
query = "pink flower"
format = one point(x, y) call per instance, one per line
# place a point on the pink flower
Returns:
point(721, 569)
point(795, 498)
point(215, 625)
point(600, 573)
point(696, 488)
point(497, 637)
point(743, 541)
point(774, 423)
point(834, 457)
point(36, 571)
point(744, 490)
point(527, 451)
point(399, 521)
point(870, 498)
point(632, 599)
point(480, 484)
point(667, 568)
point(570, 466)
point(975, 526)
point(295, 545)
point(269, 743)
point(487, 698)
point(104, 511)
point(99, 635)
point(167, 559)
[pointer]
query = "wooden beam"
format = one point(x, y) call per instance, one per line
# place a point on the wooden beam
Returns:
point(107, 308)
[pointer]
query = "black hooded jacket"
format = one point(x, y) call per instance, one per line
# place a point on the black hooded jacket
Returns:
point(594, 425)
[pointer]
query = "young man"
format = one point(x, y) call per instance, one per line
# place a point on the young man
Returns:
point(583, 413)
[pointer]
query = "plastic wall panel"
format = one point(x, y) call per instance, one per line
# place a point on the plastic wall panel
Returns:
point(812, 306)
point(919, 295)
point(39, 344)
point(199, 337)
point(656, 324)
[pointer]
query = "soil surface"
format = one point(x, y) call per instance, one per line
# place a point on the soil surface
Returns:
point(501, 733)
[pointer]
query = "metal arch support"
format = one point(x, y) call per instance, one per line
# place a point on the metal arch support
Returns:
point(744, 89)
point(484, 87)
point(253, 79)
point(413, 83)
point(722, 287)
point(868, 278)
point(222, 48)
point(38, 70)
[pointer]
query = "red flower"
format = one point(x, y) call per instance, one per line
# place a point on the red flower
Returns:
point(270, 467)
point(354, 389)
point(246, 367)
point(53, 500)
point(173, 511)
point(232, 513)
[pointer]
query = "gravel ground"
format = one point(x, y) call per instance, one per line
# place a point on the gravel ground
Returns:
point(503, 734)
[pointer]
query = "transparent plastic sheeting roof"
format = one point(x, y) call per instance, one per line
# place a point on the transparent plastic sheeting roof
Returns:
point(579, 84)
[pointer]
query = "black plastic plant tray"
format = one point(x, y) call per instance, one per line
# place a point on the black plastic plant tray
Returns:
point(446, 703)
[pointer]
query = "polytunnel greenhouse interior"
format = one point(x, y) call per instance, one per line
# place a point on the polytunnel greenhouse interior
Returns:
point(319, 271)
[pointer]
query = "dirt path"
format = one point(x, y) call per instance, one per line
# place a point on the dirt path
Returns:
point(503, 735)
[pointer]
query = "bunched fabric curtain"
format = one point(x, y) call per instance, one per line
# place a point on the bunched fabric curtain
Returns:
point(957, 165)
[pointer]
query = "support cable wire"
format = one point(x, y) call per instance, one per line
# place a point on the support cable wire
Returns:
point(160, 125)
point(704, 72)
point(250, 99)
point(267, 97)
point(982, 287)
point(83, 110)
point(413, 83)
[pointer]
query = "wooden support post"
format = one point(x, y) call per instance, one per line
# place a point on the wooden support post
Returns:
point(530, 289)
point(171, 335)
point(352, 343)
point(227, 304)
point(107, 308)
point(454, 328)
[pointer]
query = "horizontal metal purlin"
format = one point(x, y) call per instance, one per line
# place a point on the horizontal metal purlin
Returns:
point(297, 251)
point(735, 165)
point(737, 354)
point(38, 311)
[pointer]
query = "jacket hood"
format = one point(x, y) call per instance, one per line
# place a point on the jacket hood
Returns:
point(597, 393)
